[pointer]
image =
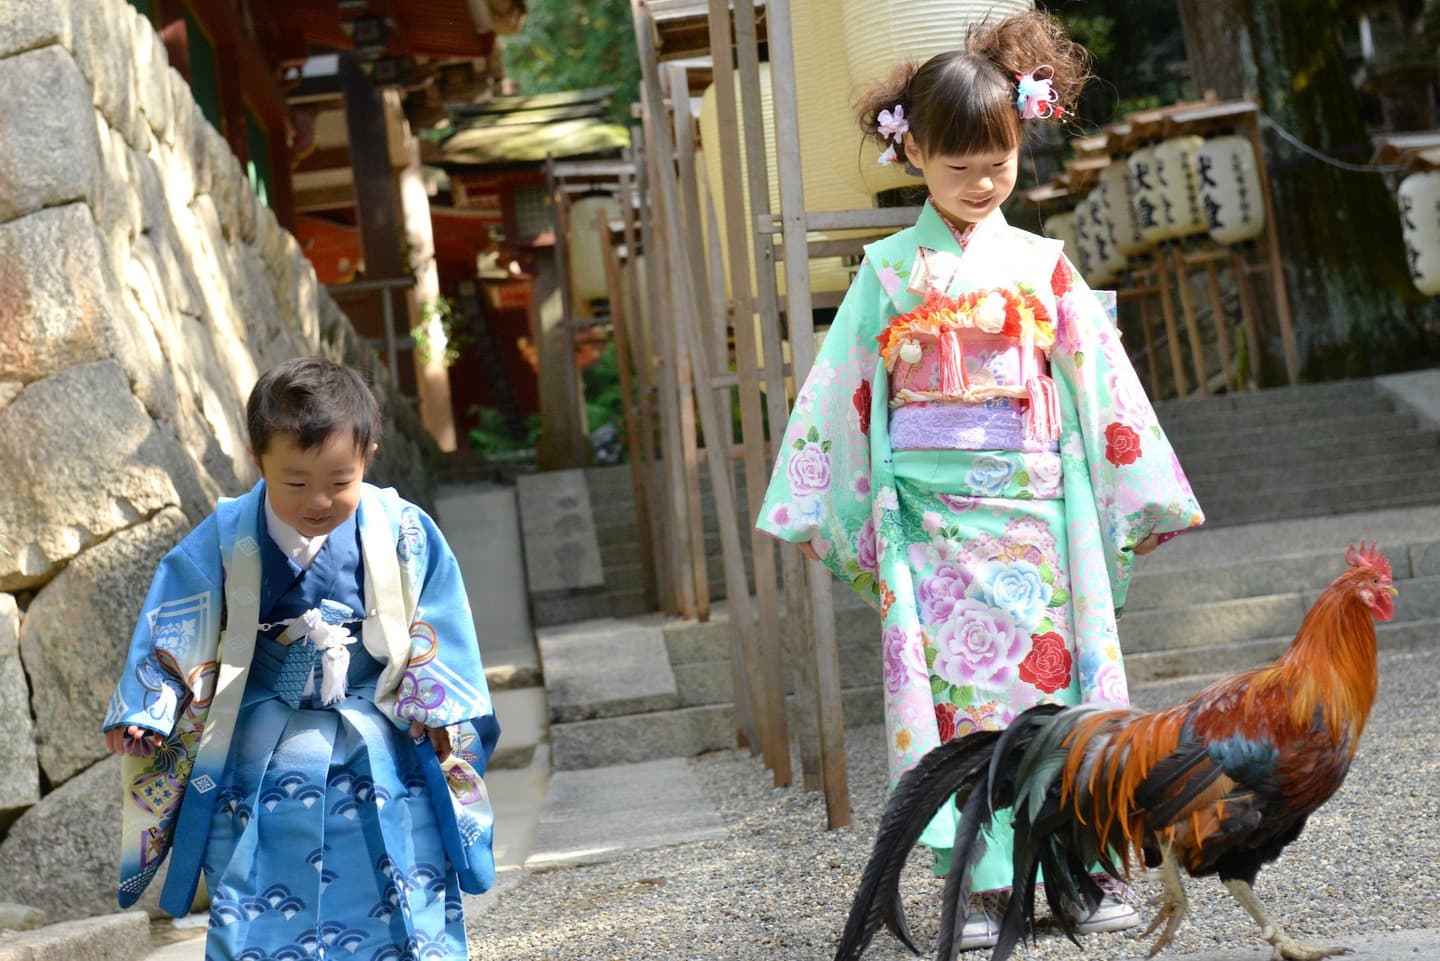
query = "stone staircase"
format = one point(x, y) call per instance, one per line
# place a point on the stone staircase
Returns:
point(1287, 477)
point(1303, 451)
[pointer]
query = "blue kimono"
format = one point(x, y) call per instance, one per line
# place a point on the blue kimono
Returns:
point(322, 830)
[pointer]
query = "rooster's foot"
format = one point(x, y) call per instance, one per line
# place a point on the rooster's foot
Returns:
point(1287, 948)
point(1174, 905)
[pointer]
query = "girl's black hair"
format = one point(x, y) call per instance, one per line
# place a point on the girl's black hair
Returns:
point(312, 399)
point(963, 101)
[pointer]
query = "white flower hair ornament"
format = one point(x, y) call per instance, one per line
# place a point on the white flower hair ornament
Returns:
point(1035, 97)
point(892, 126)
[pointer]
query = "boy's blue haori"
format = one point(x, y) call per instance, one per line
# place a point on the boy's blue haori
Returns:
point(321, 830)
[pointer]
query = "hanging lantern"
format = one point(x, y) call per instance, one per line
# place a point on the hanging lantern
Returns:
point(1230, 189)
point(1061, 227)
point(1083, 256)
point(1176, 184)
point(1420, 223)
point(587, 253)
point(1115, 184)
point(1145, 196)
point(878, 35)
point(823, 188)
point(1106, 259)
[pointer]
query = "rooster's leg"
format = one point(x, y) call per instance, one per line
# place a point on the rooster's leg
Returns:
point(1173, 907)
point(1286, 947)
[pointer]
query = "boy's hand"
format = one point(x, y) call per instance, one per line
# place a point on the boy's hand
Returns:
point(439, 738)
point(134, 740)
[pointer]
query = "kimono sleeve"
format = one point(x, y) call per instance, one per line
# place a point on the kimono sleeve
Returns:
point(820, 489)
point(174, 639)
point(1138, 484)
point(444, 681)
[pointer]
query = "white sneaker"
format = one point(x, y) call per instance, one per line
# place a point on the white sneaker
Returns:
point(980, 931)
point(1111, 914)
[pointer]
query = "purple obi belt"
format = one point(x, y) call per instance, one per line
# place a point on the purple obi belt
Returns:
point(991, 425)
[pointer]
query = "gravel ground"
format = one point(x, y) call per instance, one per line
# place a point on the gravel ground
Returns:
point(779, 886)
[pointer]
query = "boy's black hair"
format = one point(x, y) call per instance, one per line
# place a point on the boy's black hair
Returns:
point(311, 399)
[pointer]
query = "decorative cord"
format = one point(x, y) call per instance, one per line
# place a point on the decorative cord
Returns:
point(1267, 121)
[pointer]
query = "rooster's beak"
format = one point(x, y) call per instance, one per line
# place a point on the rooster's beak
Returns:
point(1391, 590)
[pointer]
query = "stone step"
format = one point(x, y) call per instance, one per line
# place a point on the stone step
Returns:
point(1226, 460)
point(1353, 390)
point(1208, 419)
point(1224, 659)
point(1277, 444)
point(1316, 473)
point(1260, 576)
point(1342, 496)
point(1221, 623)
point(685, 732)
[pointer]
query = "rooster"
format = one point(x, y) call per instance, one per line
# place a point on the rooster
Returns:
point(1219, 784)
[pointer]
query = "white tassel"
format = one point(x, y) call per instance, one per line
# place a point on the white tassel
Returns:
point(330, 642)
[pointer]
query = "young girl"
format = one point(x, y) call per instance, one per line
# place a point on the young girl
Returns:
point(303, 714)
point(972, 451)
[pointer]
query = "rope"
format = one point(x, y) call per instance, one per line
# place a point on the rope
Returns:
point(1267, 121)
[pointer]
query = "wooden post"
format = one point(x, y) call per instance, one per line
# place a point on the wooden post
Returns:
point(619, 324)
point(1277, 263)
point(793, 222)
point(737, 591)
point(1217, 314)
point(1149, 338)
point(1249, 312)
point(677, 525)
point(768, 685)
point(1192, 326)
point(643, 357)
point(1167, 310)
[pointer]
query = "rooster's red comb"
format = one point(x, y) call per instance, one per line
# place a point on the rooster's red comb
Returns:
point(1371, 556)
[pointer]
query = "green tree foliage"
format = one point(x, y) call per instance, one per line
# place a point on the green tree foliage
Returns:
point(1137, 47)
point(576, 45)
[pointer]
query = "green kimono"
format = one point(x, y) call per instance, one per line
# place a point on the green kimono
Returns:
point(998, 558)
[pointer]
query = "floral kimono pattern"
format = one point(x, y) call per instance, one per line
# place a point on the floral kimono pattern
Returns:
point(998, 570)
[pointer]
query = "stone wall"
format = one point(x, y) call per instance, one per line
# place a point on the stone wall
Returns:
point(142, 289)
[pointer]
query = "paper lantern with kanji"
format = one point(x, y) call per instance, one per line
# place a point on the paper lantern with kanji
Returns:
point(1150, 218)
point(1420, 226)
point(1230, 189)
point(1115, 182)
point(1179, 192)
point(879, 35)
point(1106, 261)
point(1061, 227)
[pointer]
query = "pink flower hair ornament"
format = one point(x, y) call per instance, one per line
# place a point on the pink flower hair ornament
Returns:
point(892, 125)
point(1035, 97)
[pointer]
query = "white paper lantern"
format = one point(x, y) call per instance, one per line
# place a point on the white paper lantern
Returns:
point(1084, 255)
point(1420, 225)
point(824, 190)
point(1230, 189)
point(879, 35)
point(587, 257)
point(1145, 203)
point(1106, 259)
point(1179, 190)
point(1061, 227)
point(1115, 182)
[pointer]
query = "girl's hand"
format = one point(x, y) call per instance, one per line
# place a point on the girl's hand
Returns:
point(134, 740)
point(439, 738)
point(807, 550)
point(1148, 544)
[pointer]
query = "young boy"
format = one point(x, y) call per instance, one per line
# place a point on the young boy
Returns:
point(303, 714)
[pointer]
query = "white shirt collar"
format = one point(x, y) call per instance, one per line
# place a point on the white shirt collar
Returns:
point(296, 546)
